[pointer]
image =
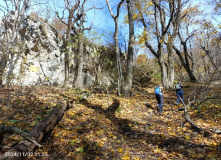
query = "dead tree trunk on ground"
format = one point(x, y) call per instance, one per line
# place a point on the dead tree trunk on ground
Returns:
point(193, 125)
point(42, 129)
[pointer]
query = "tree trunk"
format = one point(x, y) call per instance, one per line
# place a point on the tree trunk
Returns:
point(190, 74)
point(170, 64)
point(66, 57)
point(186, 63)
point(119, 68)
point(12, 62)
point(80, 79)
point(1, 78)
point(163, 68)
point(3, 63)
point(129, 76)
point(43, 128)
point(67, 41)
point(66, 68)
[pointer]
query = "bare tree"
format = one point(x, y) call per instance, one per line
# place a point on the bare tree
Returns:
point(119, 68)
point(161, 30)
point(164, 21)
point(11, 46)
point(185, 60)
point(129, 76)
point(209, 42)
point(75, 29)
point(186, 35)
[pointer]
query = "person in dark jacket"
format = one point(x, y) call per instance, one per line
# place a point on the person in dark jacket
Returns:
point(179, 91)
point(158, 91)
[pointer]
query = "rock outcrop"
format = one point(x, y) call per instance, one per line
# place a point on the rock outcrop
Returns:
point(36, 59)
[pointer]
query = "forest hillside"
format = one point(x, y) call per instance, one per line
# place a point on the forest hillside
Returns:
point(130, 80)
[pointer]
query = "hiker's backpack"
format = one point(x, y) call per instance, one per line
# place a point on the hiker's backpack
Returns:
point(157, 91)
point(178, 86)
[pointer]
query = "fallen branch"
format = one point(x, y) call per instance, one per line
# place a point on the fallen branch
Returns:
point(206, 99)
point(193, 125)
point(11, 129)
point(197, 128)
point(216, 131)
point(42, 129)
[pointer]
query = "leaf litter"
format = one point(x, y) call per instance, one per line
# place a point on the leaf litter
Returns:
point(117, 128)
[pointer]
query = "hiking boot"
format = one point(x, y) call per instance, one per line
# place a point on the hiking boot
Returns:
point(158, 108)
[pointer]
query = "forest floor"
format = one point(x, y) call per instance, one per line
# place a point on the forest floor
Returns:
point(111, 127)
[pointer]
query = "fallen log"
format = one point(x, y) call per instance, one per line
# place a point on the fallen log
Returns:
point(26, 147)
point(193, 125)
point(197, 128)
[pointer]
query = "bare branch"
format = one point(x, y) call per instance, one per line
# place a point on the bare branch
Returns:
point(15, 130)
point(118, 9)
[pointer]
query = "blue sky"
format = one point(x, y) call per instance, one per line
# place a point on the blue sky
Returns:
point(101, 18)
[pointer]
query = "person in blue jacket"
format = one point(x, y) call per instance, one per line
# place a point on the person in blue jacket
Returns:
point(158, 91)
point(179, 91)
